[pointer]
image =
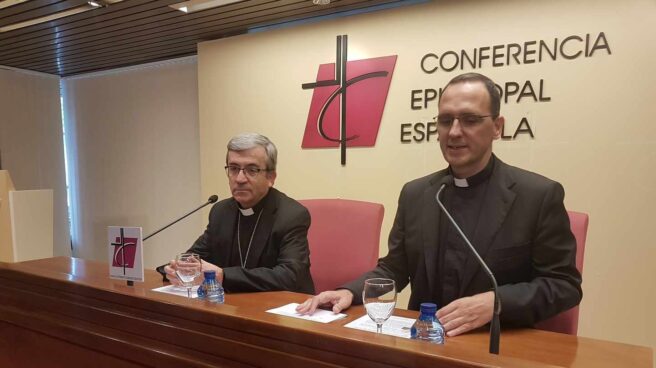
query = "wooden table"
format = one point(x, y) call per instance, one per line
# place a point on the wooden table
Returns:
point(66, 312)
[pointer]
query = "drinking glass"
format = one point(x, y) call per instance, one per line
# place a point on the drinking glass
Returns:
point(188, 269)
point(379, 298)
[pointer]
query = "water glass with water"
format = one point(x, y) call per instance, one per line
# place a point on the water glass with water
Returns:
point(379, 299)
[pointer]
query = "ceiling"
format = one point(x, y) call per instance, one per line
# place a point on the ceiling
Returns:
point(133, 32)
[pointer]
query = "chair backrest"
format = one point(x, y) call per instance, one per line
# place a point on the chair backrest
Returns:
point(568, 321)
point(344, 239)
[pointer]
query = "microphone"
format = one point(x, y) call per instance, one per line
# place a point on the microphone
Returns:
point(495, 326)
point(212, 199)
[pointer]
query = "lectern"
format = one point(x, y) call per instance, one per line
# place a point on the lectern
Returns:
point(26, 222)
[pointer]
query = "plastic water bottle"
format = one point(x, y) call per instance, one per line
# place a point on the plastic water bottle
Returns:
point(427, 327)
point(211, 289)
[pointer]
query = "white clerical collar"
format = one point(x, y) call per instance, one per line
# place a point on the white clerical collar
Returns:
point(246, 211)
point(461, 183)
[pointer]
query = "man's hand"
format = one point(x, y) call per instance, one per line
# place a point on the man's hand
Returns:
point(170, 273)
point(204, 266)
point(338, 299)
point(466, 314)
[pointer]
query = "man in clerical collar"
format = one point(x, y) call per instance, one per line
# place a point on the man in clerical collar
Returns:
point(256, 240)
point(514, 218)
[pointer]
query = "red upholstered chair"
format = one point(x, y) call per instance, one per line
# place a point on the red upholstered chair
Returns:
point(568, 321)
point(344, 239)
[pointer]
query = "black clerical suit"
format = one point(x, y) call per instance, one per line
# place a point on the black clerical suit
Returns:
point(278, 258)
point(522, 233)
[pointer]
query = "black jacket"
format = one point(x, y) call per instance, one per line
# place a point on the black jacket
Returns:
point(524, 236)
point(279, 258)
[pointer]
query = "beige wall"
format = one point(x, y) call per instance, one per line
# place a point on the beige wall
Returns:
point(595, 136)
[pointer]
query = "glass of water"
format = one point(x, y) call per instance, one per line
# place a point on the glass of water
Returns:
point(379, 298)
point(188, 269)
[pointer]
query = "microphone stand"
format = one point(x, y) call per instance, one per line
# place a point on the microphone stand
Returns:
point(213, 198)
point(495, 325)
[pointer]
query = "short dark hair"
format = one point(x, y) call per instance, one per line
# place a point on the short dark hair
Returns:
point(492, 91)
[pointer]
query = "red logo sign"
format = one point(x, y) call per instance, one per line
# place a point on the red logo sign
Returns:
point(124, 251)
point(348, 101)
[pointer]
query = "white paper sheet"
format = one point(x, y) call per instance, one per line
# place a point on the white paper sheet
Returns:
point(319, 315)
point(177, 290)
point(394, 326)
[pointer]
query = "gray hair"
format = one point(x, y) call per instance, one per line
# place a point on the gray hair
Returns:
point(246, 141)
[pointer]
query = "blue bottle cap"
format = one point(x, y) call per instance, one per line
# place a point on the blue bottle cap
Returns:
point(209, 274)
point(428, 308)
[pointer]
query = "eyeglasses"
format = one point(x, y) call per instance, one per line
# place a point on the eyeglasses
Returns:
point(249, 171)
point(466, 120)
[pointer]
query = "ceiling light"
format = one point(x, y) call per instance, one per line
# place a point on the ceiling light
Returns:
point(192, 6)
point(103, 2)
point(48, 18)
point(90, 5)
point(8, 3)
point(321, 2)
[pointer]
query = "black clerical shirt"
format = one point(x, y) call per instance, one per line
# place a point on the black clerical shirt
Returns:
point(464, 203)
point(246, 225)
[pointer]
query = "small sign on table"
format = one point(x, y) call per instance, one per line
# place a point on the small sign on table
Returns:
point(125, 253)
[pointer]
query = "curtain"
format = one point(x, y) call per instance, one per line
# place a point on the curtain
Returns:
point(31, 143)
point(134, 156)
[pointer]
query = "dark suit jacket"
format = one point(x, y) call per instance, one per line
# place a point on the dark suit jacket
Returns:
point(523, 236)
point(279, 258)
